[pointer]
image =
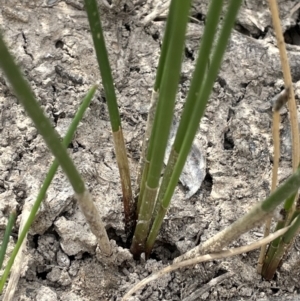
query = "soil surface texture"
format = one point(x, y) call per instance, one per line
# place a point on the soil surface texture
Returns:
point(232, 152)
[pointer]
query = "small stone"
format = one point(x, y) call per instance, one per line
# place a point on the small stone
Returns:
point(54, 275)
point(3, 223)
point(64, 279)
point(69, 296)
point(73, 270)
point(22, 126)
point(246, 291)
point(48, 246)
point(62, 259)
point(46, 294)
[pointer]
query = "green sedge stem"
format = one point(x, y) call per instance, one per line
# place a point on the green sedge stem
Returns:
point(115, 120)
point(198, 111)
point(197, 81)
point(42, 123)
point(46, 184)
point(9, 226)
point(103, 62)
point(163, 119)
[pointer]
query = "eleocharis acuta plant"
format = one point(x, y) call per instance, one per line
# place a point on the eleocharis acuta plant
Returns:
point(50, 175)
point(197, 98)
point(115, 120)
point(162, 122)
point(144, 163)
point(193, 96)
point(52, 139)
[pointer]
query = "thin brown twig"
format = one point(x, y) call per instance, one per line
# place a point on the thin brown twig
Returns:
point(286, 95)
point(279, 101)
point(287, 82)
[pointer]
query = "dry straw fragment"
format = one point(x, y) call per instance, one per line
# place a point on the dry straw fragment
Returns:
point(20, 263)
point(203, 258)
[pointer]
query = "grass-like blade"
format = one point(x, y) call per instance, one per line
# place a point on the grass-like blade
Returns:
point(144, 164)
point(278, 249)
point(8, 229)
point(198, 111)
point(253, 218)
point(196, 83)
point(26, 97)
point(162, 121)
point(115, 120)
point(50, 175)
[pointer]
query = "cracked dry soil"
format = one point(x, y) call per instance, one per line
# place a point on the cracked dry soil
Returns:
point(52, 44)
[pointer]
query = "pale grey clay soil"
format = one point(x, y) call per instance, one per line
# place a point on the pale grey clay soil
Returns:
point(52, 43)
